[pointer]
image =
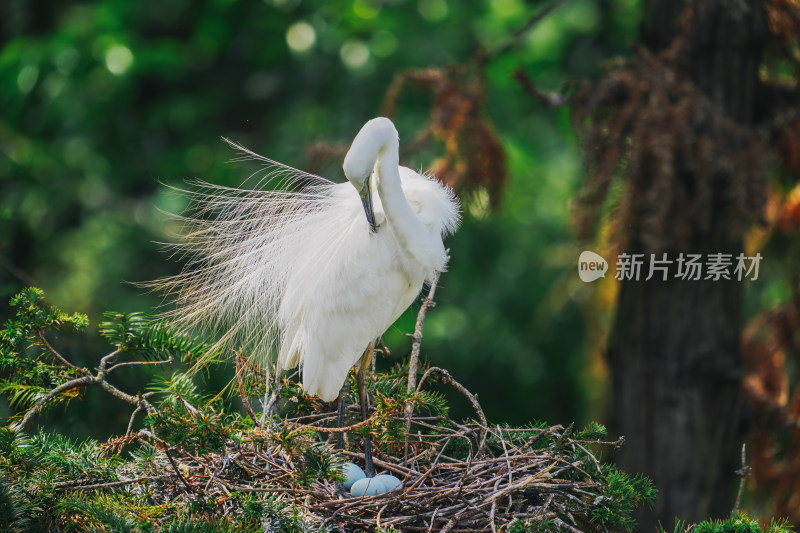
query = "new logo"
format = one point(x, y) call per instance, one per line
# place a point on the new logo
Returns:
point(591, 266)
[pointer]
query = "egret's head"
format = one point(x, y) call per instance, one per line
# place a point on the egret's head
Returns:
point(357, 170)
point(363, 185)
point(360, 161)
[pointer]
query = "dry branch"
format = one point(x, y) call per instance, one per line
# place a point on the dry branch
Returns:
point(413, 363)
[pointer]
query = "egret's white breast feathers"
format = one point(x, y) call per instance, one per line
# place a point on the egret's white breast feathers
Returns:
point(297, 272)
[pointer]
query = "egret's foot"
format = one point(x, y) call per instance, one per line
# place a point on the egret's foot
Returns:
point(369, 467)
point(363, 403)
point(340, 422)
point(341, 408)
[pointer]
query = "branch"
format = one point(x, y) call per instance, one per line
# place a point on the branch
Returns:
point(177, 471)
point(413, 363)
point(165, 448)
point(444, 376)
point(743, 473)
point(77, 382)
point(124, 396)
point(55, 352)
point(63, 487)
point(133, 417)
point(98, 379)
point(548, 99)
point(101, 370)
point(245, 402)
point(132, 363)
point(514, 37)
point(344, 429)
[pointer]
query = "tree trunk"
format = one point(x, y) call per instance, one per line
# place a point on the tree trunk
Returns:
point(674, 351)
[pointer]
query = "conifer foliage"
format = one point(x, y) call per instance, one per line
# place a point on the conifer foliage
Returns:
point(194, 462)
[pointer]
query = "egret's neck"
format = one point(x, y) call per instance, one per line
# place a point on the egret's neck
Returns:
point(399, 215)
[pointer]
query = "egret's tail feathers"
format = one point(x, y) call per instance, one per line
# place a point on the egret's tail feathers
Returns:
point(291, 348)
point(239, 247)
point(324, 377)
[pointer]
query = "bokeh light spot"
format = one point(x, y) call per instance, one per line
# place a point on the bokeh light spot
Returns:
point(432, 10)
point(26, 79)
point(366, 9)
point(119, 59)
point(301, 36)
point(508, 8)
point(478, 204)
point(354, 54)
point(383, 43)
point(66, 60)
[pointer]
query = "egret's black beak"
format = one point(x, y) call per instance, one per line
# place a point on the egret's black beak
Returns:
point(366, 201)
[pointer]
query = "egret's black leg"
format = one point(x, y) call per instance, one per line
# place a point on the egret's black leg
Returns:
point(342, 406)
point(363, 399)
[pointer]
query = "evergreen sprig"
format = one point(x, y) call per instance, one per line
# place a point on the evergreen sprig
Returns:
point(136, 332)
point(740, 522)
point(198, 465)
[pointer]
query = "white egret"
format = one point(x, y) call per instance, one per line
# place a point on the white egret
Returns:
point(302, 271)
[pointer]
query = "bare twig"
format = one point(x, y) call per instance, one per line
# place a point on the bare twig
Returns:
point(512, 39)
point(445, 377)
point(548, 99)
point(177, 470)
point(344, 429)
point(239, 382)
point(69, 385)
point(110, 484)
point(743, 472)
point(125, 397)
point(105, 360)
point(55, 352)
point(274, 396)
point(138, 363)
point(453, 521)
point(133, 417)
point(416, 343)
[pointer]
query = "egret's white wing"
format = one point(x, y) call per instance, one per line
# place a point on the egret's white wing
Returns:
point(242, 246)
point(297, 270)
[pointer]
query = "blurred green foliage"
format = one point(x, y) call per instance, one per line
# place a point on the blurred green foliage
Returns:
point(739, 522)
point(102, 101)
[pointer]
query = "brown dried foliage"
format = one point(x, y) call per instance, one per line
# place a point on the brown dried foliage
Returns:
point(790, 211)
point(675, 150)
point(783, 17)
point(474, 158)
point(770, 342)
point(789, 147)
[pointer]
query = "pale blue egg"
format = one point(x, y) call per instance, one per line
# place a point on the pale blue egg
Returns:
point(368, 486)
point(389, 481)
point(352, 473)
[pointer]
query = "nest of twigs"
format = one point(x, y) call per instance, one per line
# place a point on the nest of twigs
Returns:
point(457, 477)
point(485, 492)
